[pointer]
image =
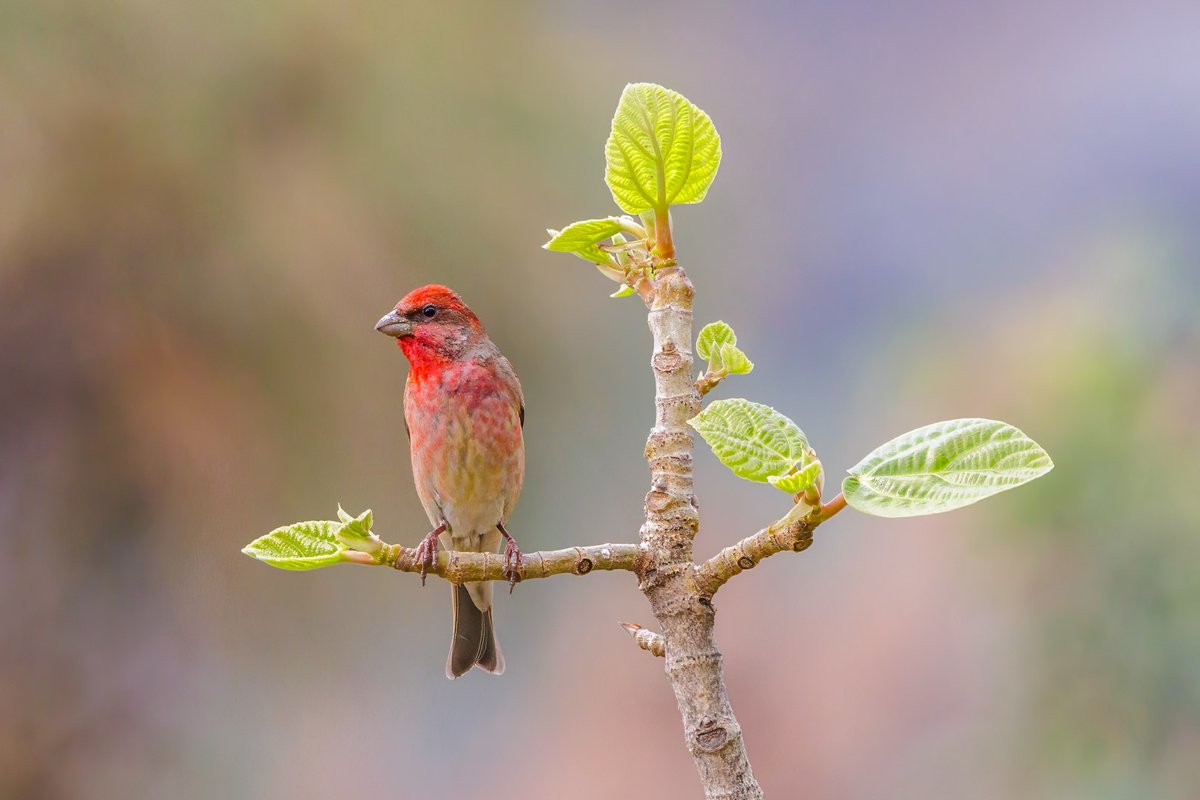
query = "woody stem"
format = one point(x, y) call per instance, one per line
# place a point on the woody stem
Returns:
point(692, 661)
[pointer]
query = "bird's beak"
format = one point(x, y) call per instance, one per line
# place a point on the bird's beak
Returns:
point(394, 325)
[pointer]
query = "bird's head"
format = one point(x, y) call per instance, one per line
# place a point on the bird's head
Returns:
point(432, 324)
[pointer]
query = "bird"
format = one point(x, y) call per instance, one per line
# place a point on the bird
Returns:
point(464, 412)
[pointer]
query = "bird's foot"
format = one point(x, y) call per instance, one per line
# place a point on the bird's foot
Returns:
point(427, 551)
point(512, 558)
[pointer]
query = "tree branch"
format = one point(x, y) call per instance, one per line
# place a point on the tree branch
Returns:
point(460, 567)
point(691, 659)
point(792, 532)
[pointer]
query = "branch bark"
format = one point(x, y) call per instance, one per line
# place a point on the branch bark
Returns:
point(460, 567)
point(793, 532)
point(692, 661)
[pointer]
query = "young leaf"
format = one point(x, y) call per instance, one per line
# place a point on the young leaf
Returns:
point(734, 361)
point(359, 526)
point(622, 256)
point(712, 336)
point(582, 238)
point(624, 291)
point(302, 545)
point(798, 481)
point(355, 532)
point(944, 466)
point(662, 150)
point(753, 440)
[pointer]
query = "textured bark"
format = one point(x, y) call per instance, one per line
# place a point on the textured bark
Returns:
point(668, 574)
point(460, 567)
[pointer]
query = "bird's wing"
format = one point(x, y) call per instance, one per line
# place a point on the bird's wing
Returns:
point(508, 376)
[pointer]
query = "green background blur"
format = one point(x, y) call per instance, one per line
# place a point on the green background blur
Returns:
point(924, 212)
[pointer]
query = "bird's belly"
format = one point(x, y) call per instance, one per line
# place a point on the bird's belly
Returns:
point(471, 501)
point(468, 462)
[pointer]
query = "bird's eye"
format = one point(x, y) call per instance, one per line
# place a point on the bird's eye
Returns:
point(429, 311)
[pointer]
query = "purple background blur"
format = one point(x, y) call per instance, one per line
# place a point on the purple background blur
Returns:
point(925, 211)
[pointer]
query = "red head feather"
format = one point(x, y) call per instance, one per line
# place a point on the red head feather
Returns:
point(440, 297)
point(444, 328)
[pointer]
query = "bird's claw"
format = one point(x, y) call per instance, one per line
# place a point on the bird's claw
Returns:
point(512, 563)
point(427, 552)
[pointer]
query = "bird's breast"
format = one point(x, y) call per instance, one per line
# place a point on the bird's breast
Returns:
point(468, 453)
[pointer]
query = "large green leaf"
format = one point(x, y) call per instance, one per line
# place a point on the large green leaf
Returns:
point(944, 466)
point(753, 440)
point(663, 150)
point(300, 546)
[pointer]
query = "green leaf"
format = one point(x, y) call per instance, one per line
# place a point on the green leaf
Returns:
point(302, 545)
point(717, 343)
point(582, 238)
point(799, 481)
point(753, 440)
point(624, 291)
point(662, 150)
point(734, 361)
point(712, 336)
point(944, 466)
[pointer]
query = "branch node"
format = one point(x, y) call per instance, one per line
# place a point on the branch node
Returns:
point(653, 643)
point(711, 736)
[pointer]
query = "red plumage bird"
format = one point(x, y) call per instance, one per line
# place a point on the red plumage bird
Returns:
point(464, 412)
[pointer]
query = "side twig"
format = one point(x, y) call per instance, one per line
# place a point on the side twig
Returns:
point(708, 380)
point(793, 532)
point(653, 643)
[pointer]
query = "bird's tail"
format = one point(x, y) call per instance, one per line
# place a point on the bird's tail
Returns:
point(474, 641)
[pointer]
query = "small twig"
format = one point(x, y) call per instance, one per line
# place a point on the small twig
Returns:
point(461, 567)
point(833, 506)
point(644, 288)
point(794, 532)
point(653, 643)
point(708, 381)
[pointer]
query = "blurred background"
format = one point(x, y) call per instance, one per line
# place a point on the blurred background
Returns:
point(927, 212)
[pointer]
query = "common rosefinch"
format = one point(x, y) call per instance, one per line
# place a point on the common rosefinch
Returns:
point(464, 411)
